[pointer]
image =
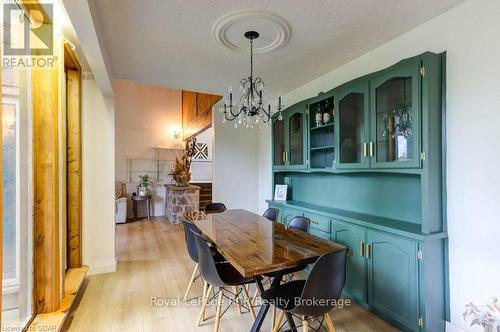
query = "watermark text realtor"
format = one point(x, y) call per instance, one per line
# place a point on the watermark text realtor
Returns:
point(28, 36)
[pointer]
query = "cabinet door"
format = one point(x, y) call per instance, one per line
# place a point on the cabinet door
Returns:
point(393, 277)
point(296, 139)
point(278, 143)
point(353, 237)
point(352, 126)
point(396, 117)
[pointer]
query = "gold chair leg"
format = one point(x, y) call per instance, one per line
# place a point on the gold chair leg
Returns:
point(249, 303)
point(237, 298)
point(276, 327)
point(191, 281)
point(205, 286)
point(201, 317)
point(305, 324)
point(255, 294)
point(273, 318)
point(329, 323)
point(218, 311)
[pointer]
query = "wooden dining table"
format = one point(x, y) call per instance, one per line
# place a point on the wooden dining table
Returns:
point(255, 245)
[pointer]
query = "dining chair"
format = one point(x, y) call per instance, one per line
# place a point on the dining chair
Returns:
point(314, 297)
point(224, 279)
point(271, 214)
point(215, 208)
point(300, 222)
point(193, 253)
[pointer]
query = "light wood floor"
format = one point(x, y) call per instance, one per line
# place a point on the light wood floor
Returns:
point(153, 262)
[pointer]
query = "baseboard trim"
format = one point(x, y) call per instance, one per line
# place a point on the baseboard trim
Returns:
point(101, 267)
point(453, 328)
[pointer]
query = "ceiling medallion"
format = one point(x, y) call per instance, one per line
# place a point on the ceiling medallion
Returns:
point(271, 26)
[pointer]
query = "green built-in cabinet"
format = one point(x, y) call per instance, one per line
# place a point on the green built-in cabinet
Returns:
point(290, 139)
point(371, 178)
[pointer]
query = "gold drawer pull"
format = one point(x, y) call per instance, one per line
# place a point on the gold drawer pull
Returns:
point(314, 222)
point(367, 251)
point(361, 248)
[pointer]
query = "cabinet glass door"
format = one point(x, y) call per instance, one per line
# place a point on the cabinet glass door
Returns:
point(296, 139)
point(396, 111)
point(279, 143)
point(352, 127)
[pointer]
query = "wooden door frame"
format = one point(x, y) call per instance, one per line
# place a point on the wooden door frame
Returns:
point(74, 158)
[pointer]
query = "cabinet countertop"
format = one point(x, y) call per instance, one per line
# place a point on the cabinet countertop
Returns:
point(399, 227)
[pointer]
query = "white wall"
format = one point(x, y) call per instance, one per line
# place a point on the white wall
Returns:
point(146, 117)
point(470, 35)
point(98, 226)
point(235, 166)
point(201, 170)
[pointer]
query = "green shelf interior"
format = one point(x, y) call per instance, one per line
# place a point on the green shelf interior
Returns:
point(328, 147)
point(323, 127)
point(322, 138)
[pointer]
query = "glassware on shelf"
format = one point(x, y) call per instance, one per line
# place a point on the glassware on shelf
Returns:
point(319, 117)
point(326, 118)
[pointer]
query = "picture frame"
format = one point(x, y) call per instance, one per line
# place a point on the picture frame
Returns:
point(280, 192)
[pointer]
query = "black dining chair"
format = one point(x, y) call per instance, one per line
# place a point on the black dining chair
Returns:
point(314, 297)
point(300, 222)
point(215, 208)
point(271, 214)
point(193, 253)
point(222, 277)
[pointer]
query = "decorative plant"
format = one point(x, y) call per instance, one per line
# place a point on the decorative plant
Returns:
point(181, 173)
point(144, 181)
point(487, 316)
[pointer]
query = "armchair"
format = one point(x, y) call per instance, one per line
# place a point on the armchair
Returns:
point(120, 203)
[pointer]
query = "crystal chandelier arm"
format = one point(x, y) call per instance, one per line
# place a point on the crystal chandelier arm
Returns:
point(229, 115)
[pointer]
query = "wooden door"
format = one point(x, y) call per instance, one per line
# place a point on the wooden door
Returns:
point(353, 237)
point(393, 277)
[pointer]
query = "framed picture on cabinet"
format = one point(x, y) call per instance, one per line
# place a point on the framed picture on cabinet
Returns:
point(280, 192)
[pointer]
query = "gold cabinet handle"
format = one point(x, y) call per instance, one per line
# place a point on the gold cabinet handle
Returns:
point(365, 149)
point(371, 149)
point(314, 222)
point(367, 251)
point(361, 248)
point(284, 157)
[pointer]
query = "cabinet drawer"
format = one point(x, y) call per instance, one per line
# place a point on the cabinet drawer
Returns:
point(318, 222)
point(321, 234)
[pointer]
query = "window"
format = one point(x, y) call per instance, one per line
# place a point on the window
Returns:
point(17, 283)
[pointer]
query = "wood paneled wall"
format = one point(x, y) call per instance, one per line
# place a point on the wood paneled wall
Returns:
point(74, 159)
point(196, 112)
point(46, 188)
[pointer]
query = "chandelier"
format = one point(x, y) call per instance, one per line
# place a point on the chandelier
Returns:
point(250, 110)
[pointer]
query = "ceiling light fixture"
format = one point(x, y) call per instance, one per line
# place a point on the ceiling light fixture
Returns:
point(250, 110)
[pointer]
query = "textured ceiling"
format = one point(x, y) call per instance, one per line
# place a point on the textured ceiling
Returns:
point(170, 42)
